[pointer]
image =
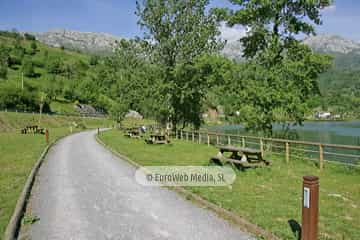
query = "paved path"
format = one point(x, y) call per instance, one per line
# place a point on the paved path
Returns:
point(85, 192)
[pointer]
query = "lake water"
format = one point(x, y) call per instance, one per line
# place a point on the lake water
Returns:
point(334, 132)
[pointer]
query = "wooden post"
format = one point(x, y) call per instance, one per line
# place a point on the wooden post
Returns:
point(229, 140)
point(310, 208)
point(321, 157)
point(199, 137)
point(98, 131)
point(181, 134)
point(187, 136)
point(287, 152)
point(262, 147)
point(47, 136)
point(193, 136)
point(217, 139)
point(243, 142)
point(208, 139)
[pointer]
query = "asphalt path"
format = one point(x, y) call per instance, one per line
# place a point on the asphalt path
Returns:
point(83, 191)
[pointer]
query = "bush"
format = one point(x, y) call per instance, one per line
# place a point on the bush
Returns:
point(29, 36)
point(3, 70)
point(28, 68)
point(15, 98)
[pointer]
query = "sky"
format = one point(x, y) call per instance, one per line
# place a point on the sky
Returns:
point(117, 17)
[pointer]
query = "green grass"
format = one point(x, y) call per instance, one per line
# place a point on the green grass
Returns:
point(63, 107)
point(10, 121)
point(268, 197)
point(18, 153)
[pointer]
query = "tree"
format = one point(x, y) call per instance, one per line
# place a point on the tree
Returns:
point(275, 24)
point(4, 61)
point(28, 68)
point(94, 60)
point(29, 37)
point(281, 73)
point(55, 66)
point(33, 48)
point(179, 31)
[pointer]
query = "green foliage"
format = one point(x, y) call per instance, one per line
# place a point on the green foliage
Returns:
point(15, 98)
point(179, 31)
point(29, 37)
point(275, 24)
point(54, 65)
point(281, 73)
point(4, 61)
point(94, 60)
point(28, 68)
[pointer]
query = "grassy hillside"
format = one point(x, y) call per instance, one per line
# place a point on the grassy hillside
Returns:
point(32, 73)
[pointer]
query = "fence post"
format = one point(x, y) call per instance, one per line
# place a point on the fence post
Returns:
point(243, 142)
point(187, 136)
point(262, 147)
point(208, 139)
point(193, 136)
point(321, 157)
point(199, 137)
point(181, 134)
point(229, 140)
point(217, 139)
point(287, 152)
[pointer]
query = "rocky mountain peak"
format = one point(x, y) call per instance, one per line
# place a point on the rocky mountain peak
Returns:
point(332, 44)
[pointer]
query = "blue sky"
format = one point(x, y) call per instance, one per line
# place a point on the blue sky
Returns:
point(117, 16)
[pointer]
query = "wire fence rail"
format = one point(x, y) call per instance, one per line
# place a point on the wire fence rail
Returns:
point(289, 149)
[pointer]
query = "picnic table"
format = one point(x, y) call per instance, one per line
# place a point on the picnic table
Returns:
point(32, 129)
point(241, 157)
point(157, 139)
point(133, 133)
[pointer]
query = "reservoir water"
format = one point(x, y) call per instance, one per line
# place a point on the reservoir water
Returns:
point(333, 132)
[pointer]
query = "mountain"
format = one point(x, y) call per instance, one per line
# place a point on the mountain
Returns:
point(332, 44)
point(83, 41)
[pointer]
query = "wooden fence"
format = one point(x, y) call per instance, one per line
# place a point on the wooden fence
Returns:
point(289, 149)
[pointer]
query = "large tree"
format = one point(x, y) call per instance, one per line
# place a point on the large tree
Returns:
point(281, 73)
point(178, 32)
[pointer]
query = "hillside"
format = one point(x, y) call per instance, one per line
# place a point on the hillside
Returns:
point(32, 73)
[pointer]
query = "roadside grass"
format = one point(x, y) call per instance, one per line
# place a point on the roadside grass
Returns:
point(11, 121)
point(19, 153)
point(269, 197)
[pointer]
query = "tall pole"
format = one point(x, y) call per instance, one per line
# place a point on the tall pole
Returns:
point(22, 80)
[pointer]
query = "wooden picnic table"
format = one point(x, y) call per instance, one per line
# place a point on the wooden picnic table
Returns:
point(157, 139)
point(241, 157)
point(133, 133)
point(32, 129)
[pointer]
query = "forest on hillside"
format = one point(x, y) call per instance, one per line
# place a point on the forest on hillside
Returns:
point(176, 72)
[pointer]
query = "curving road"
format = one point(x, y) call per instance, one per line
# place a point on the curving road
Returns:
point(85, 192)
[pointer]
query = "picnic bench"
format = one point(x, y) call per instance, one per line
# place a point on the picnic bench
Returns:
point(157, 139)
point(240, 157)
point(133, 133)
point(32, 129)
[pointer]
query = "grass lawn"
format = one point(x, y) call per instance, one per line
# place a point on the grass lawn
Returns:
point(19, 153)
point(268, 197)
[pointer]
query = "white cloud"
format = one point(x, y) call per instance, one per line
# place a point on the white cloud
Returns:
point(232, 34)
point(330, 9)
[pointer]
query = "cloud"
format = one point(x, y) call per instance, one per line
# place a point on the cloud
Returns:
point(232, 34)
point(330, 9)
